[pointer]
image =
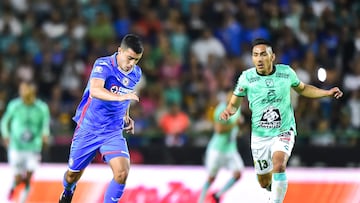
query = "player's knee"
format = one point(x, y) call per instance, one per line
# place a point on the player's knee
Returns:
point(18, 179)
point(279, 167)
point(211, 179)
point(237, 175)
point(120, 176)
point(72, 176)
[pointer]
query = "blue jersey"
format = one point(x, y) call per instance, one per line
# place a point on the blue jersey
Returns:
point(99, 116)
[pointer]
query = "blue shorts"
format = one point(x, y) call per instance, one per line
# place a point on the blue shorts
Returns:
point(85, 145)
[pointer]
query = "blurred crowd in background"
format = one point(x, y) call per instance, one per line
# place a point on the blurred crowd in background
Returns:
point(194, 52)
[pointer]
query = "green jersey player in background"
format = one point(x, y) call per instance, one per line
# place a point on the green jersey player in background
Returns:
point(267, 87)
point(25, 128)
point(222, 152)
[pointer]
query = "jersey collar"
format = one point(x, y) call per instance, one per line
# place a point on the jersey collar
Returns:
point(272, 72)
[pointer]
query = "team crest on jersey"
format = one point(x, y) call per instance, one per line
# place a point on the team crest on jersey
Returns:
point(269, 83)
point(98, 69)
point(125, 81)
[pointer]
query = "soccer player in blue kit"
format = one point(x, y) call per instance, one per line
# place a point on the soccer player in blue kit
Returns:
point(103, 115)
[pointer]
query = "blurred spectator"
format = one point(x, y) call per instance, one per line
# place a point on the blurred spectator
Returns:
point(230, 34)
point(207, 45)
point(101, 29)
point(11, 22)
point(174, 124)
point(55, 27)
point(322, 135)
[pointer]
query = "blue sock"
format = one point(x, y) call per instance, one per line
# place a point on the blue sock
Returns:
point(68, 187)
point(227, 186)
point(203, 192)
point(114, 192)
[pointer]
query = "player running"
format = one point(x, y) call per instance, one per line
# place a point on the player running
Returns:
point(222, 152)
point(101, 117)
point(267, 87)
point(25, 128)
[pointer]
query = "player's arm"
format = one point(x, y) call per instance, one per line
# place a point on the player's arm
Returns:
point(5, 131)
point(129, 122)
point(311, 91)
point(232, 107)
point(45, 130)
point(98, 91)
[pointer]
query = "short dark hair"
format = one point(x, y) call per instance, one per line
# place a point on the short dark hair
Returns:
point(133, 42)
point(260, 41)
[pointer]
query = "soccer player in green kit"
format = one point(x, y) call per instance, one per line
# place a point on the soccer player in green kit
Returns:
point(267, 87)
point(222, 152)
point(25, 128)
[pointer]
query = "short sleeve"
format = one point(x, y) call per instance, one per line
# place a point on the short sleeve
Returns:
point(294, 79)
point(101, 70)
point(241, 86)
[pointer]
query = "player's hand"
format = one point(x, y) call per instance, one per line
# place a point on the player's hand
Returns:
point(336, 92)
point(6, 142)
point(45, 141)
point(225, 115)
point(129, 125)
point(131, 96)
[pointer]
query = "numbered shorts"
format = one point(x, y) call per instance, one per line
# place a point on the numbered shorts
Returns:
point(215, 160)
point(23, 161)
point(263, 148)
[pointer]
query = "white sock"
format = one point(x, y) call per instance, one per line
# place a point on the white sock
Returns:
point(23, 195)
point(278, 187)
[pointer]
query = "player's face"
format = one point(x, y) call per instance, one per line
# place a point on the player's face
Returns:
point(27, 93)
point(128, 59)
point(263, 58)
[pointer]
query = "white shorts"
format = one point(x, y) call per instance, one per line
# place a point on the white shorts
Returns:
point(263, 148)
point(22, 161)
point(215, 160)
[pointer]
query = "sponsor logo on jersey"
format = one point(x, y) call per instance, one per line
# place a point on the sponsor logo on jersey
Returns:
point(271, 97)
point(115, 199)
point(285, 137)
point(119, 90)
point(254, 79)
point(270, 118)
point(282, 75)
point(98, 69)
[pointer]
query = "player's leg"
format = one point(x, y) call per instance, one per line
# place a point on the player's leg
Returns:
point(212, 165)
point(82, 152)
point(115, 152)
point(234, 163)
point(261, 153)
point(32, 162)
point(281, 152)
point(279, 182)
point(16, 162)
point(24, 193)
